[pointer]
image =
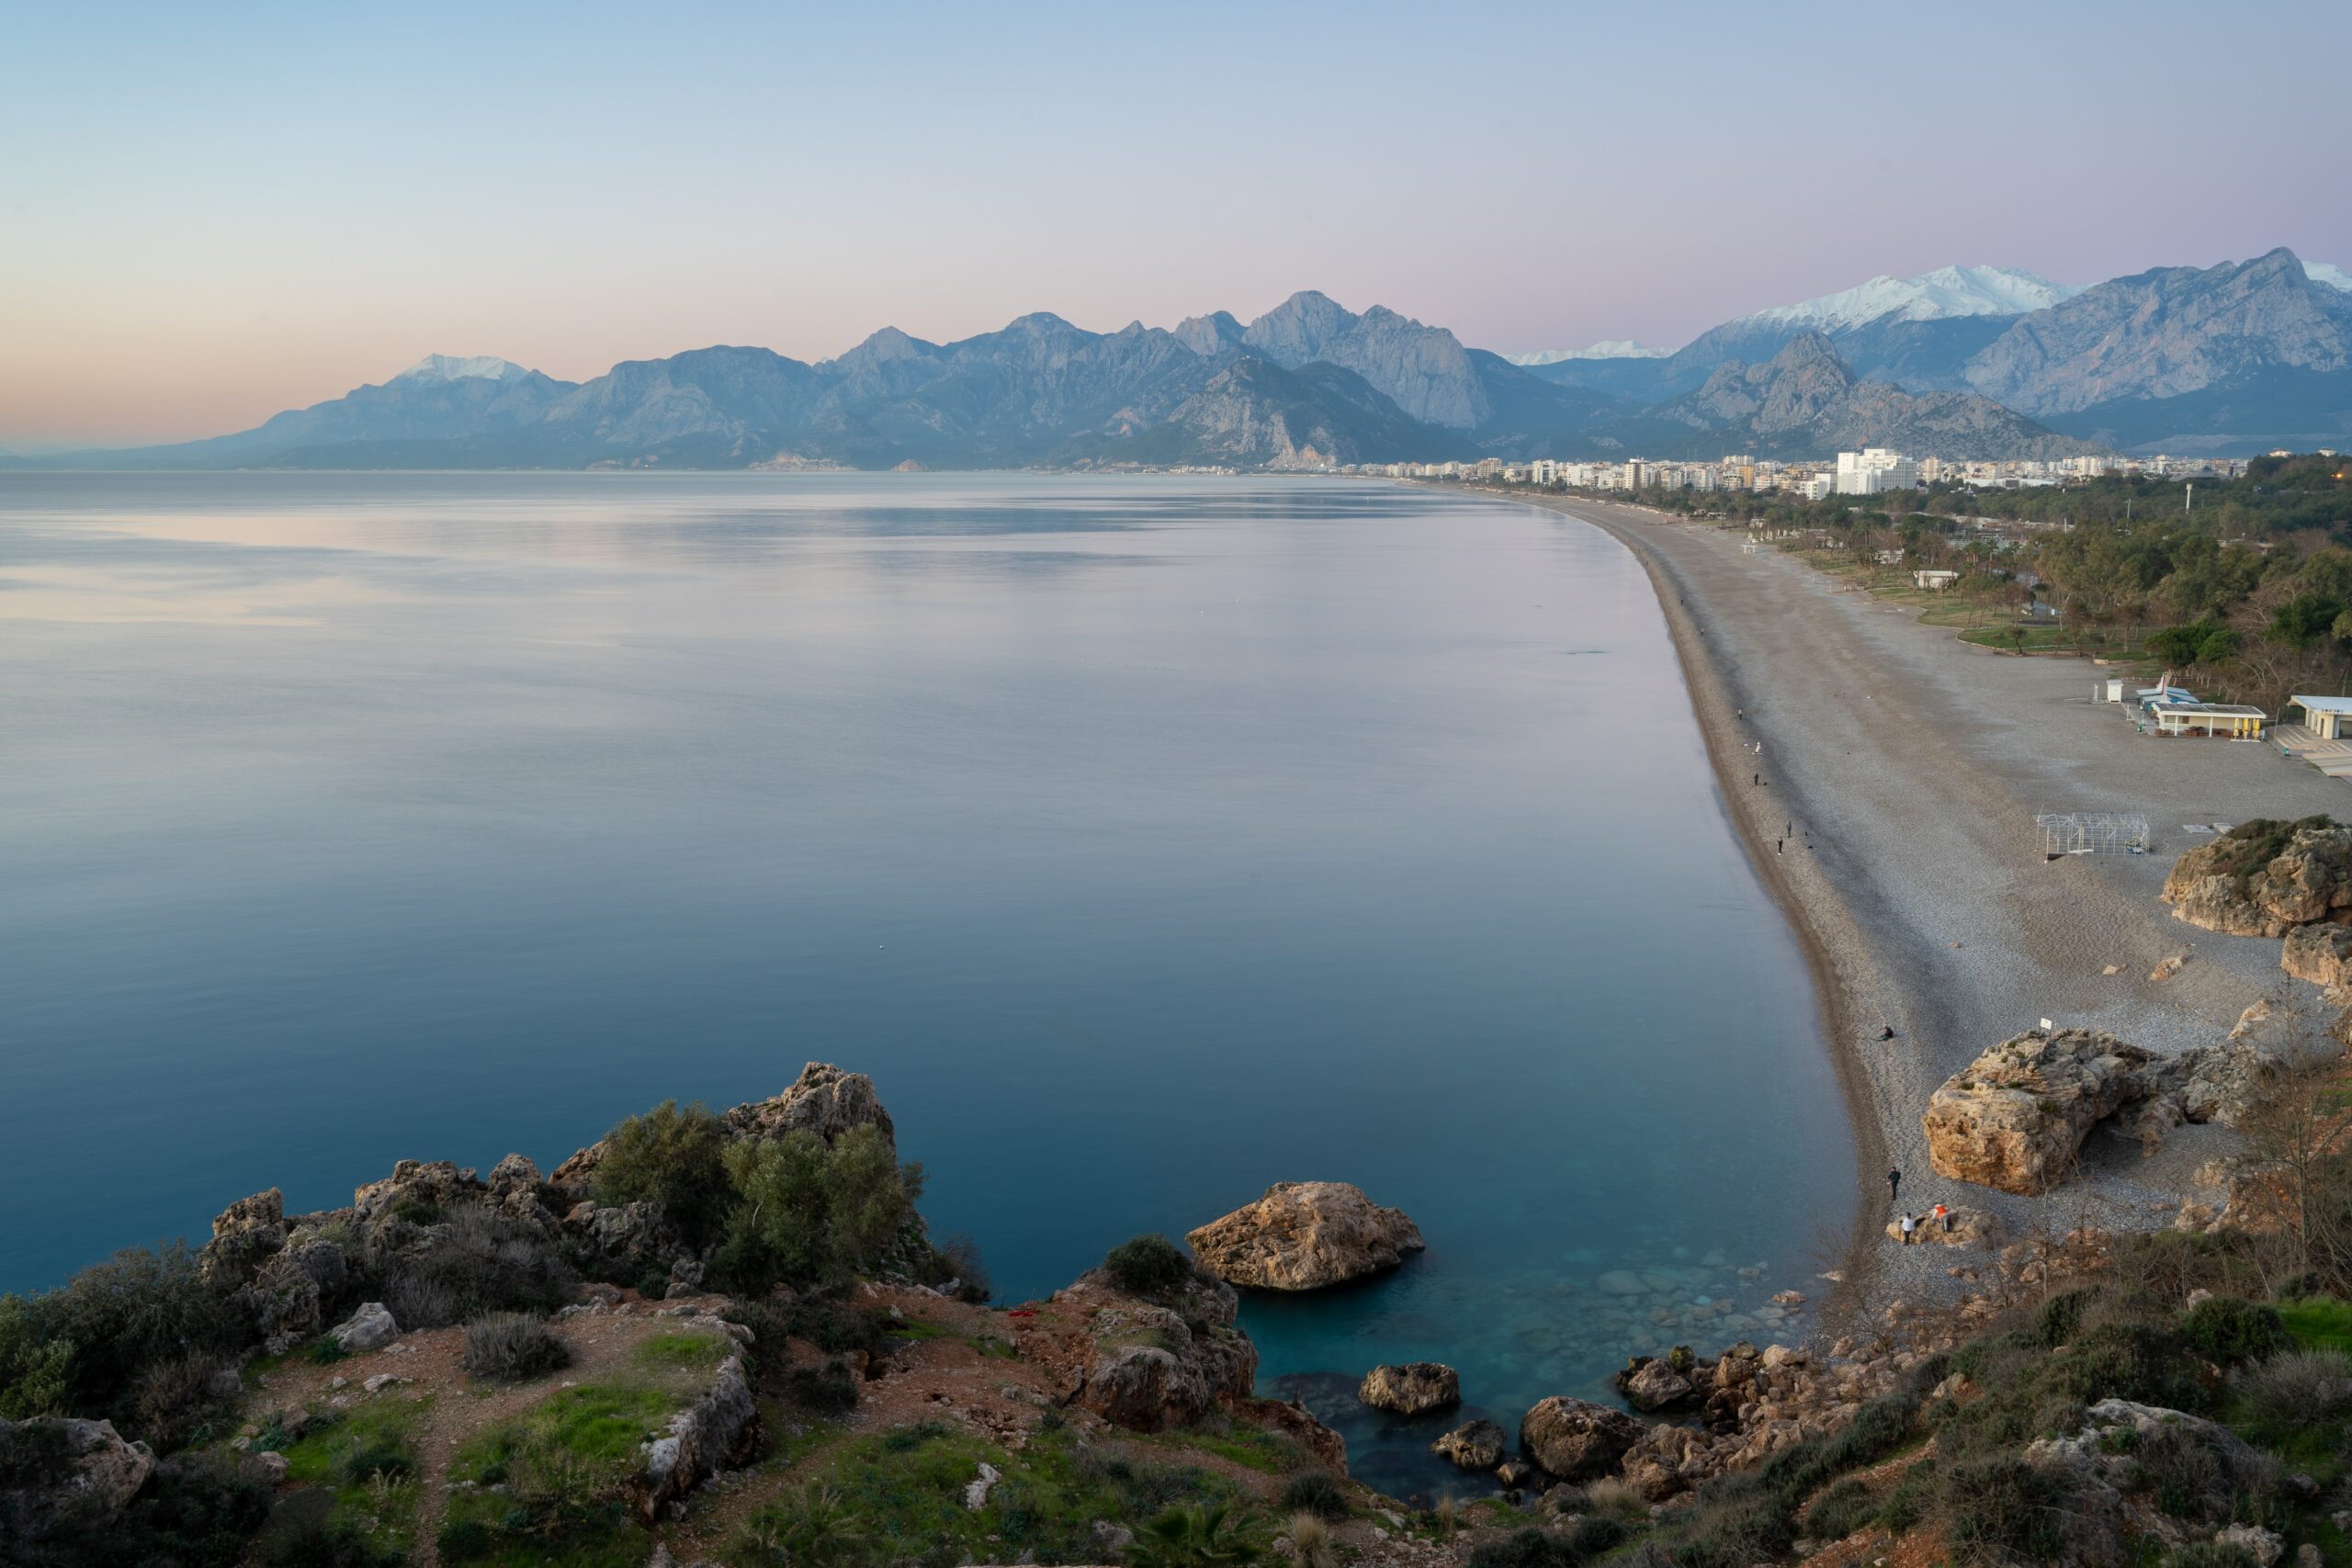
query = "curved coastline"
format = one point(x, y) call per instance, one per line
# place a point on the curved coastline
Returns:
point(1810, 904)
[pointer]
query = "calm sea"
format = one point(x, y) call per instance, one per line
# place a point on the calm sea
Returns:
point(1148, 839)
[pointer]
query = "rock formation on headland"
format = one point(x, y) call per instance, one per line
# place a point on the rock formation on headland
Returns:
point(2266, 877)
point(1303, 1236)
point(2015, 1117)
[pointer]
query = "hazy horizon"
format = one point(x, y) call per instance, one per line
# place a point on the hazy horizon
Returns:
point(212, 219)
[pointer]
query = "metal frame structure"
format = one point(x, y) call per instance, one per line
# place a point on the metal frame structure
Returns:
point(2093, 833)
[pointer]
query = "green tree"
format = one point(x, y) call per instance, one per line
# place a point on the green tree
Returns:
point(673, 1157)
point(806, 1212)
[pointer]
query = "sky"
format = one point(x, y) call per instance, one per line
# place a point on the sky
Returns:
point(210, 214)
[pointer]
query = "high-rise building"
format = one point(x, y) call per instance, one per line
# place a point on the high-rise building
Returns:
point(1875, 470)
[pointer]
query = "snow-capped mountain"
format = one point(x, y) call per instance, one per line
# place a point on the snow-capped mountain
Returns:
point(1612, 348)
point(465, 368)
point(1937, 295)
point(2333, 277)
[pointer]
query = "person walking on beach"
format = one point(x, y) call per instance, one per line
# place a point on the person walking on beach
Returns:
point(1893, 1181)
point(1910, 1227)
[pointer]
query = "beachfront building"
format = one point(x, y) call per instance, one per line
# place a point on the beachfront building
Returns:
point(2329, 719)
point(2212, 721)
point(1937, 579)
point(1875, 470)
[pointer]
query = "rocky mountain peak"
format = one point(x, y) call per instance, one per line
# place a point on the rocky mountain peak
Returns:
point(1209, 335)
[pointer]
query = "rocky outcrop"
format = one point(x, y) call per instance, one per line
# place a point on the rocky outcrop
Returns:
point(718, 1429)
point(61, 1465)
point(1970, 1227)
point(1303, 1236)
point(2015, 1117)
point(1415, 1388)
point(2266, 877)
point(824, 1100)
point(1150, 1366)
point(2104, 1462)
point(1473, 1445)
point(1575, 1439)
point(2317, 952)
point(370, 1328)
point(1659, 1382)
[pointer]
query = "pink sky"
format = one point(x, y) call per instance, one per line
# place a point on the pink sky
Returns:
point(204, 223)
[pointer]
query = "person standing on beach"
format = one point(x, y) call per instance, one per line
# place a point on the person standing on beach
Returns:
point(1910, 1227)
point(1893, 1181)
point(1943, 1218)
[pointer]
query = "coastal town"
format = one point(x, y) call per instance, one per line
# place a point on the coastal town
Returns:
point(1871, 471)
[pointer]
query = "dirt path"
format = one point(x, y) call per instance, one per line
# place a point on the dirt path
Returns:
point(603, 1344)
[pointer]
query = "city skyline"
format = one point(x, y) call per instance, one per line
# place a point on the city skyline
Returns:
point(208, 223)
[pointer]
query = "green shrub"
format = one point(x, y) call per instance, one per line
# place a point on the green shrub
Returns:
point(475, 1263)
point(1316, 1492)
point(1526, 1548)
point(139, 1309)
point(2055, 1321)
point(2121, 1360)
point(1147, 1266)
point(174, 1398)
point(827, 1388)
point(512, 1346)
point(462, 1538)
point(1846, 1508)
point(1999, 1509)
point(2207, 1555)
point(1591, 1536)
point(2228, 1330)
point(809, 1213)
point(1191, 1538)
point(810, 1527)
point(1878, 1429)
point(1912, 1498)
point(385, 1458)
point(673, 1157)
point(2186, 1477)
point(2299, 1385)
point(36, 1370)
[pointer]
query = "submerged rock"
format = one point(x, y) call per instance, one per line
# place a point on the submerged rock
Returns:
point(1303, 1236)
point(1413, 1389)
point(2015, 1117)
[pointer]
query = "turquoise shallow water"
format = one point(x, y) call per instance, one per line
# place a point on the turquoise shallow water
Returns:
point(1148, 841)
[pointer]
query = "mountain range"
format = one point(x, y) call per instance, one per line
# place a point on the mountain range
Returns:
point(1965, 362)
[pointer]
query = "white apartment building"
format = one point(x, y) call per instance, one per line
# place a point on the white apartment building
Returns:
point(1875, 470)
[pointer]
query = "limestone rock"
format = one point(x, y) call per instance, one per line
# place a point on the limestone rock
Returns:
point(2015, 1118)
point(435, 1185)
point(1413, 1389)
point(2317, 952)
point(1303, 1236)
point(824, 1100)
point(1473, 1445)
point(640, 1233)
point(93, 1471)
point(718, 1429)
point(2236, 886)
point(2264, 1547)
point(1153, 1365)
point(1575, 1438)
point(368, 1328)
point(1651, 1383)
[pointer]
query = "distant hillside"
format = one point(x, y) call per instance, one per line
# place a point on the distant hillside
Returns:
point(1806, 400)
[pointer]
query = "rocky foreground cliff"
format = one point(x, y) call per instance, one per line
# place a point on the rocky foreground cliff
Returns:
point(728, 1338)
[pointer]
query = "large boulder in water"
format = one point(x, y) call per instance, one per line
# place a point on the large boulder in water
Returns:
point(2266, 877)
point(2015, 1117)
point(1303, 1236)
point(1573, 1439)
point(1415, 1388)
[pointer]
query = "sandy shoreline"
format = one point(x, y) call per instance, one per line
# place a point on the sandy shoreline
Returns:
point(1902, 770)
